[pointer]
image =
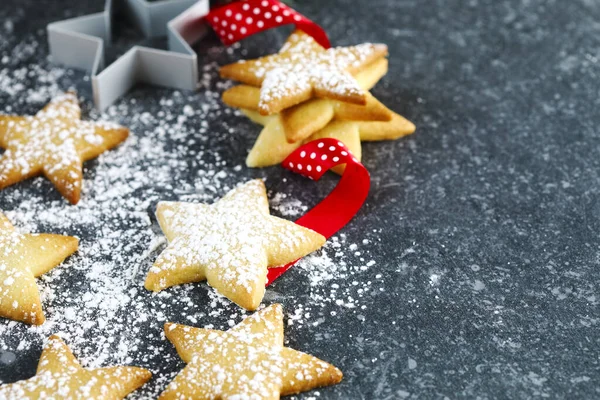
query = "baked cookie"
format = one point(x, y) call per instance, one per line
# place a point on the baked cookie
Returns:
point(230, 244)
point(55, 142)
point(304, 119)
point(23, 257)
point(271, 146)
point(60, 376)
point(248, 361)
point(303, 70)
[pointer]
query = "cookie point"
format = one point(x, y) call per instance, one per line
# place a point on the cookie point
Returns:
point(143, 373)
point(276, 306)
point(123, 132)
point(38, 319)
point(169, 325)
point(72, 241)
point(151, 285)
point(72, 196)
point(264, 110)
point(54, 338)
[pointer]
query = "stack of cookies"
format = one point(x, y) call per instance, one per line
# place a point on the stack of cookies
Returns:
point(306, 92)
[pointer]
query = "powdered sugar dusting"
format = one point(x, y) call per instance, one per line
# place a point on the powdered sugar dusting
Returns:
point(287, 206)
point(22, 258)
point(230, 243)
point(96, 300)
point(59, 374)
point(247, 362)
point(53, 142)
point(303, 65)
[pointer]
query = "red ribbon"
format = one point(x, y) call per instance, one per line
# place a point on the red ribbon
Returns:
point(329, 216)
point(236, 21)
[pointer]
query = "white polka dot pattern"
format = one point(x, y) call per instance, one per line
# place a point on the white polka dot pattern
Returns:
point(315, 158)
point(241, 19)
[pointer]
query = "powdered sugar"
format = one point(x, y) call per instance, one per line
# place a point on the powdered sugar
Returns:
point(230, 244)
point(287, 206)
point(59, 373)
point(22, 258)
point(53, 142)
point(302, 66)
point(96, 299)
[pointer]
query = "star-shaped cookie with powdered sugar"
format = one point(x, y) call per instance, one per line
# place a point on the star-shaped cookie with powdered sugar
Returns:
point(23, 257)
point(248, 361)
point(60, 376)
point(230, 244)
point(55, 142)
point(303, 70)
point(306, 118)
point(320, 118)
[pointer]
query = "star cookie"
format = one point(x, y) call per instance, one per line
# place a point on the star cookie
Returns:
point(54, 142)
point(23, 257)
point(271, 146)
point(303, 70)
point(60, 376)
point(248, 361)
point(230, 244)
point(319, 118)
point(304, 119)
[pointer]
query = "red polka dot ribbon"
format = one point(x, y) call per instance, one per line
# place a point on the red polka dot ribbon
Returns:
point(236, 21)
point(329, 216)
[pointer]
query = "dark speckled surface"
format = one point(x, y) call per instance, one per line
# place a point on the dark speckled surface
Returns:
point(489, 247)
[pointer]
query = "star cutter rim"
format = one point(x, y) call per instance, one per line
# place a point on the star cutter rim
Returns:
point(79, 43)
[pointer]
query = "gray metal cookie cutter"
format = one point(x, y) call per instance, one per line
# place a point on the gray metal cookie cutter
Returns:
point(79, 42)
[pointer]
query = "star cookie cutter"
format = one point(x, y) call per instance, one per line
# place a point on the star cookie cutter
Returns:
point(79, 42)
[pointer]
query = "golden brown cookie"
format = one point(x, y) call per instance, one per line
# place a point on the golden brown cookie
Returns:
point(230, 244)
point(304, 119)
point(247, 96)
point(55, 143)
point(60, 376)
point(23, 257)
point(301, 121)
point(303, 70)
point(271, 146)
point(248, 361)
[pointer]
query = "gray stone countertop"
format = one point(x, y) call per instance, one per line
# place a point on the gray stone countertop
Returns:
point(481, 229)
